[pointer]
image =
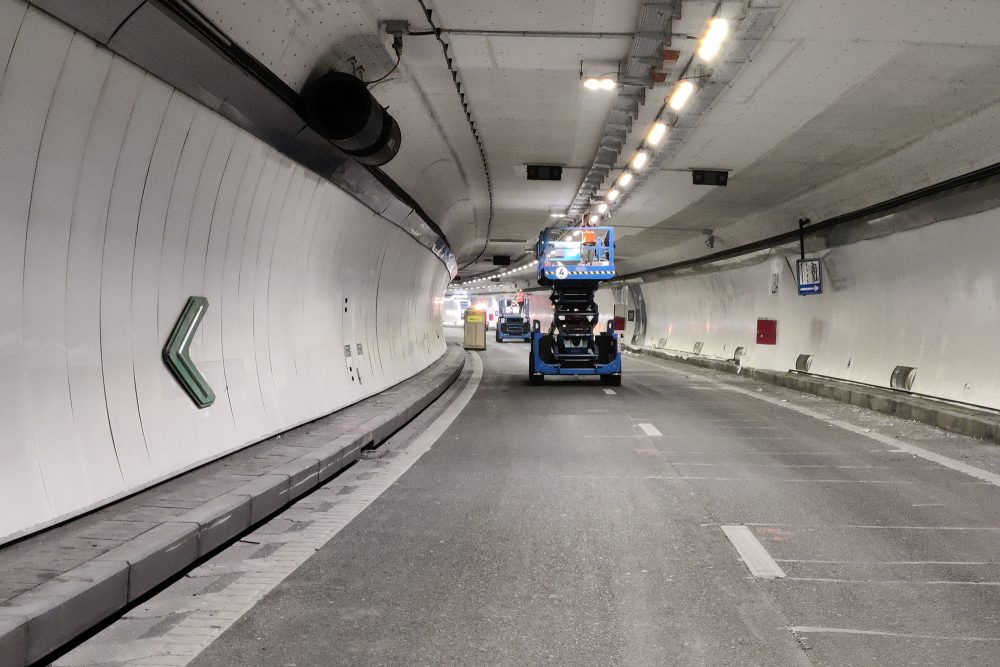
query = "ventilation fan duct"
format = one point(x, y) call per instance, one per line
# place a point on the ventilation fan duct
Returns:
point(340, 108)
point(903, 377)
point(803, 363)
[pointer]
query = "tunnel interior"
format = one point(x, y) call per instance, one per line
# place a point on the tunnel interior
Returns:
point(245, 247)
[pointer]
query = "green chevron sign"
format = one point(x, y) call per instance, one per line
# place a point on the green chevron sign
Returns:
point(177, 359)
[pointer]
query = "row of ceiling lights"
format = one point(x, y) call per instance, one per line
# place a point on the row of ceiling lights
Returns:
point(524, 267)
point(708, 47)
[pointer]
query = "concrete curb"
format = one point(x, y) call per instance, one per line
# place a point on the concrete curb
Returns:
point(40, 621)
point(979, 424)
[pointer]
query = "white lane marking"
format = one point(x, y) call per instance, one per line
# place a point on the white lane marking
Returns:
point(886, 562)
point(882, 633)
point(865, 527)
point(206, 615)
point(753, 480)
point(753, 553)
point(899, 445)
point(779, 465)
point(906, 582)
point(649, 429)
point(609, 392)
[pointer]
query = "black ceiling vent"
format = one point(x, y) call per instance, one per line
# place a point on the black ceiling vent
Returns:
point(340, 108)
point(709, 177)
point(544, 172)
point(501, 260)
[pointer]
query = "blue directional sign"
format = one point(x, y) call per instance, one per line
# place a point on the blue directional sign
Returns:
point(810, 276)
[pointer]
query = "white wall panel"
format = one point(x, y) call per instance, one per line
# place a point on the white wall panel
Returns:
point(11, 16)
point(86, 260)
point(157, 250)
point(119, 199)
point(25, 96)
point(46, 257)
point(928, 298)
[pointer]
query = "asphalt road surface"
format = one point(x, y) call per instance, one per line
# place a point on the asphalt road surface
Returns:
point(684, 518)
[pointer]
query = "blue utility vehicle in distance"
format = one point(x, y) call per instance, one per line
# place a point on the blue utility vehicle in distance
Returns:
point(512, 321)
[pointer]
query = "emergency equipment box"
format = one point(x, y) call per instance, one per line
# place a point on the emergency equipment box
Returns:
point(475, 330)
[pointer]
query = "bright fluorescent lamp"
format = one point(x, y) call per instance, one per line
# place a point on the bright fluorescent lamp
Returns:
point(613, 194)
point(710, 44)
point(604, 83)
point(602, 207)
point(624, 179)
point(682, 93)
point(656, 133)
point(555, 215)
point(594, 219)
point(639, 160)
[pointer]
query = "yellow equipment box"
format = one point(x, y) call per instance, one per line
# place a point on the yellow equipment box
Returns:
point(475, 330)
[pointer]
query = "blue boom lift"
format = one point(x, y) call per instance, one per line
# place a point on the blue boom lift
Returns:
point(574, 261)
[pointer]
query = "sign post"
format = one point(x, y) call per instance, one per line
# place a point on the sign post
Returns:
point(808, 271)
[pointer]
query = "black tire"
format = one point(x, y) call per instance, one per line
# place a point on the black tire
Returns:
point(612, 380)
point(533, 379)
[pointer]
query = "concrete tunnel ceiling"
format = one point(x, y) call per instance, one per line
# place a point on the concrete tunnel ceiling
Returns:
point(817, 108)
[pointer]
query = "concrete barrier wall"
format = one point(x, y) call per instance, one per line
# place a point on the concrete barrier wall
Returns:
point(121, 197)
point(928, 298)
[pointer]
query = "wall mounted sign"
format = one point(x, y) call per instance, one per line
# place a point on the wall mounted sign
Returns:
point(176, 353)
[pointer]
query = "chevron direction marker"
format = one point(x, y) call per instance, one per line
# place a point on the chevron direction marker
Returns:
point(177, 359)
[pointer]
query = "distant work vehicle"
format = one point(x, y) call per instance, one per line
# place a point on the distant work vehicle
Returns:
point(513, 322)
point(574, 261)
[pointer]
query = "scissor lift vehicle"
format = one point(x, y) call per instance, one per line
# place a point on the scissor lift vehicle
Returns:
point(574, 261)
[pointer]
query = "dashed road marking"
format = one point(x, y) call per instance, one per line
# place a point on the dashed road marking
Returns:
point(753, 553)
point(885, 562)
point(894, 582)
point(649, 429)
point(899, 445)
point(807, 629)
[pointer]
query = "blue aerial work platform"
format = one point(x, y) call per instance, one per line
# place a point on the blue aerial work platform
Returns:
point(574, 261)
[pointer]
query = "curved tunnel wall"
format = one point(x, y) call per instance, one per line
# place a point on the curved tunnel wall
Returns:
point(120, 197)
point(927, 298)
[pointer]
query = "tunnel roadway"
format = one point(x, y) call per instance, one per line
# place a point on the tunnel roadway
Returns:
point(573, 524)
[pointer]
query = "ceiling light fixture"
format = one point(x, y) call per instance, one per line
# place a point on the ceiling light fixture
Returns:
point(624, 179)
point(603, 83)
point(602, 207)
point(613, 194)
point(639, 160)
point(656, 133)
point(711, 43)
point(594, 219)
point(682, 93)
